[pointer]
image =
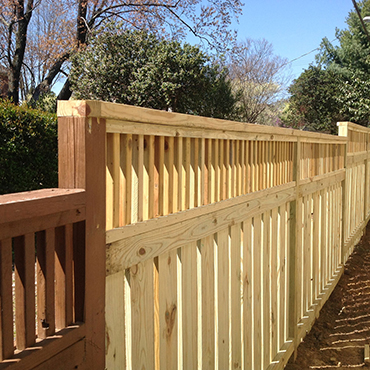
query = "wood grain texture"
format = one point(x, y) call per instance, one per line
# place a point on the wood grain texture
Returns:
point(208, 302)
point(24, 264)
point(235, 235)
point(133, 249)
point(224, 309)
point(190, 305)
point(115, 325)
point(133, 114)
point(39, 203)
point(6, 300)
point(47, 350)
point(168, 310)
point(45, 282)
point(142, 315)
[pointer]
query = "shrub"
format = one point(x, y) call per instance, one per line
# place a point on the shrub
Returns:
point(28, 149)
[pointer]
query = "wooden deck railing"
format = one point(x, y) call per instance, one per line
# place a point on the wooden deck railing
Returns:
point(41, 236)
point(57, 237)
point(209, 244)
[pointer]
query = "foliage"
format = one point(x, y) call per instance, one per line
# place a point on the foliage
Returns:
point(314, 103)
point(337, 88)
point(354, 98)
point(137, 68)
point(258, 79)
point(47, 102)
point(37, 37)
point(353, 51)
point(28, 149)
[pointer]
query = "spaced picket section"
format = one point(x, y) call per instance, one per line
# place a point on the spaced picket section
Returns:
point(224, 239)
point(356, 201)
point(163, 173)
point(39, 272)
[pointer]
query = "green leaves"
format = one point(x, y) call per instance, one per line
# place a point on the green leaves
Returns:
point(28, 149)
point(338, 88)
point(135, 67)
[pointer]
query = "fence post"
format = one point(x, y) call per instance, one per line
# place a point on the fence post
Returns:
point(81, 140)
point(295, 224)
point(343, 131)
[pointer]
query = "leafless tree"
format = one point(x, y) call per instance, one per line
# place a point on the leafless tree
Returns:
point(39, 43)
point(259, 77)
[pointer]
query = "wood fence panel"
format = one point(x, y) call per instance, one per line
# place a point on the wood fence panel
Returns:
point(258, 221)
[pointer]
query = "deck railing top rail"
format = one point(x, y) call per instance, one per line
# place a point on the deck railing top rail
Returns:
point(40, 203)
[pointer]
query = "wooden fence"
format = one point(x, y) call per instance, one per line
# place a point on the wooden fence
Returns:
point(223, 239)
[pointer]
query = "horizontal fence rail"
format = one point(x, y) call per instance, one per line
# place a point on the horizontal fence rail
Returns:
point(41, 274)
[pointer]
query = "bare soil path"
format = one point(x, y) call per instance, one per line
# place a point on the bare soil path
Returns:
point(338, 336)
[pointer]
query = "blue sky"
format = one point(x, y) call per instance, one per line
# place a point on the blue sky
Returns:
point(293, 27)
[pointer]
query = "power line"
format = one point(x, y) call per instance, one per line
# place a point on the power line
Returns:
point(305, 54)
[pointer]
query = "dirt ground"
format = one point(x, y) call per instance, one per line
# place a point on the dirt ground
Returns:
point(338, 337)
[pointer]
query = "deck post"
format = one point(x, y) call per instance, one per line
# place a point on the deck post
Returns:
point(82, 165)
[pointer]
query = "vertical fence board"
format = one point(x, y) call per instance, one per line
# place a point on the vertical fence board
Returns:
point(257, 292)
point(275, 287)
point(248, 296)
point(235, 269)
point(190, 307)
point(168, 311)
point(126, 163)
point(282, 272)
point(142, 315)
point(223, 269)
point(266, 307)
point(208, 302)
point(115, 328)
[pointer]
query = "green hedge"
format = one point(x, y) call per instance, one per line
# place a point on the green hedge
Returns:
point(28, 149)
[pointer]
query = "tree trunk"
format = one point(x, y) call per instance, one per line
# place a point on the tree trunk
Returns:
point(44, 86)
point(66, 92)
point(81, 36)
point(23, 19)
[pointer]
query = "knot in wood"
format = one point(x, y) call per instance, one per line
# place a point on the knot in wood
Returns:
point(170, 317)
